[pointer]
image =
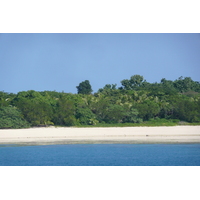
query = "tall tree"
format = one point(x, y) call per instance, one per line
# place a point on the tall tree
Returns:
point(133, 83)
point(84, 87)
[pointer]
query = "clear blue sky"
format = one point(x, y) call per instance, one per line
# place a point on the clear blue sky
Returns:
point(61, 61)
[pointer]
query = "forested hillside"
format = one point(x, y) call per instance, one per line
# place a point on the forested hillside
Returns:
point(135, 101)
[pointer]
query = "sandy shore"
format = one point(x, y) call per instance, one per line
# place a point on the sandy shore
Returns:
point(52, 135)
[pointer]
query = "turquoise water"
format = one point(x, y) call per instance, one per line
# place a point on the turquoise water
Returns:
point(101, 155)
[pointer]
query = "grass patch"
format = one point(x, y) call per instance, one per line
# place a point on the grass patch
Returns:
point(194, 124)
point(152, 122)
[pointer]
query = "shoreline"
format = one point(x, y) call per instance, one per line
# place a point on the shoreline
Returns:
point(93, 135)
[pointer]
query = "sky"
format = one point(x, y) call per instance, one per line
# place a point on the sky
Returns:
point(60, 61)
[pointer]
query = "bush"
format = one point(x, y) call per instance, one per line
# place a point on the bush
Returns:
point(70, 121)
point(85, 116)
point(188, 111)
point(10, 117)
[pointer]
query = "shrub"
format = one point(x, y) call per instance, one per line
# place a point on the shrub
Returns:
point(10, 117)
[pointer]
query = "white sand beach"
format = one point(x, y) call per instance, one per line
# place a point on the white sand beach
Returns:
point(53, 135)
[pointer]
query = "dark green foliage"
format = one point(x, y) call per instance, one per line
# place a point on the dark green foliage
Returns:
point(6, 98)
point(85, 116)
point(167, 87)
point(35, 108)
point(135, 102)
point(148, 109)
point(36, 112)
point(84, 87)
point(108, 89)
point(187, 111)
point(10, 117)
point(100, 108)
point(133, 83)
point(3, 99)
point(131, 116)
point(114, 114)
point(64, 112)
point(184, 84)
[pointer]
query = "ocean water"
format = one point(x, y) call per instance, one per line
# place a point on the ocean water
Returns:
point(101, 155)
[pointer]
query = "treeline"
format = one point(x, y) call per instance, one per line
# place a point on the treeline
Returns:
point(135, 101)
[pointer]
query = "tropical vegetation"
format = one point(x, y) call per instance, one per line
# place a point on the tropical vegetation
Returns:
point(135, 102)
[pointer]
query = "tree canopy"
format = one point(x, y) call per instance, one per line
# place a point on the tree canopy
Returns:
point(11, 117)
point(135, 101)
point(84, 87)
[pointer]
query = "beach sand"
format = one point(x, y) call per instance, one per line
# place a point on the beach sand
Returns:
point(132, 135)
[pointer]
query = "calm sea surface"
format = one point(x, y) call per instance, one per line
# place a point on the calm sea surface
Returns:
point(101, 155)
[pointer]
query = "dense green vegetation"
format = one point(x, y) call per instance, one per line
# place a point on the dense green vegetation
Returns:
point(135, 103)
point(10, 117)
point(84, 87)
